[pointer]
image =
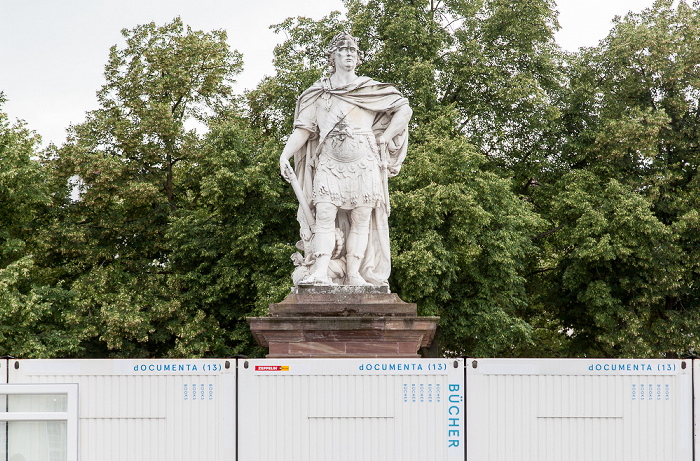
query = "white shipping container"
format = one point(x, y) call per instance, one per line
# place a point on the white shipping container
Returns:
point(3, 409)
point(579, 409)
point(696, 408)
point(129, 410)
point(351, 409)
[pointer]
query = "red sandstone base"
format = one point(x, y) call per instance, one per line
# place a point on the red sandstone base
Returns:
point(343, 322)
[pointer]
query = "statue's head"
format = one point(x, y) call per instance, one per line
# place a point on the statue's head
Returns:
point(338, 42)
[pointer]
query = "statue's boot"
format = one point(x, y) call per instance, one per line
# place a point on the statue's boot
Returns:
point(354, 278)
point(357, 280)
point(320, 274)
point(318, 279)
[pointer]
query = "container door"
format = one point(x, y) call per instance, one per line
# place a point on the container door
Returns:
point(39, 422)
point(579, 409)
point(351, 409)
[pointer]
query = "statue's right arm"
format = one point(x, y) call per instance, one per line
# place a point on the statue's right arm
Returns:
point(295, 142)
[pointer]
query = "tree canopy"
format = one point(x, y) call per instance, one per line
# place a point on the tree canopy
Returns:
point(548, 205)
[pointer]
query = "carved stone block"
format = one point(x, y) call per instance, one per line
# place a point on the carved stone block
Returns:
point(343, 322)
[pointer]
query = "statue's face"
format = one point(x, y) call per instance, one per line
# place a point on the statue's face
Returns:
point(346, 55)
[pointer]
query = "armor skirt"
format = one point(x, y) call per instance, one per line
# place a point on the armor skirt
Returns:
point(348, 173)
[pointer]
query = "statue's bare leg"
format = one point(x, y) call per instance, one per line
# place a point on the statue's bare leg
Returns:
point(357, 244)
point(324, 243)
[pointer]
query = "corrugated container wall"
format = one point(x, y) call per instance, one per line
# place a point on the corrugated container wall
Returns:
point(131, 410)
point(696, 408)
point(3, 409)
point(351, 409)
point(556, 410)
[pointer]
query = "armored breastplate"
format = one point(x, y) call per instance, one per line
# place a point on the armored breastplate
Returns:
point(346, 147)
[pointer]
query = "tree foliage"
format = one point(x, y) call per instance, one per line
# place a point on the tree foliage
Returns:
point(460, 242)
point(132, 159)
point(548, 205)
point(622, 199)
point(32, 311)
point(231, 244)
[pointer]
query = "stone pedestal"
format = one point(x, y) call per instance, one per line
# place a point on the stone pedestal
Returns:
point(343, 321)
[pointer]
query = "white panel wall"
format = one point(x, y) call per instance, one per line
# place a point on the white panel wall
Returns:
point(3, 408)
point(696, 407)
point(146, 410)
point(351, 409)
point(593, 410)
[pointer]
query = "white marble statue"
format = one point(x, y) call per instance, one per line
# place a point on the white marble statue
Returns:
point(341, 167)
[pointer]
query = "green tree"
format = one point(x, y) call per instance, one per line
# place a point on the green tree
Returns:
point(611, 265)
point(32, 316)
point(499, 71)
point(22, 189)
point(131, 159)
point(233, 240)
point(619, 265)
point(460, 244)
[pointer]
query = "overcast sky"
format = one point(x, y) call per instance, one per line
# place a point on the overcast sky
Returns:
point(53, 52)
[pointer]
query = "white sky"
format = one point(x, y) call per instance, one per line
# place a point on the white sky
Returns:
point(53, 52)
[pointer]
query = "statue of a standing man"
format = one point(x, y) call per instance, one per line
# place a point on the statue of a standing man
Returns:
point(350, 135)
